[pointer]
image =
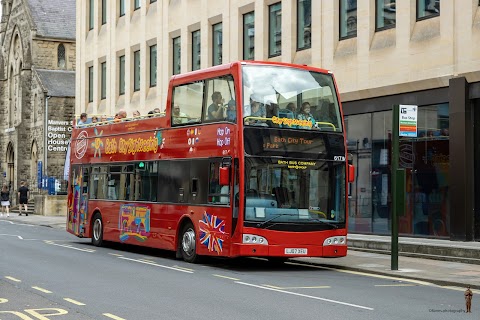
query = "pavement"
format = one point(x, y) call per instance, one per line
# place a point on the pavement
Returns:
point(431, 269)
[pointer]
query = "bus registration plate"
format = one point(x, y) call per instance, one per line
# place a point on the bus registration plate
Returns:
point(296, 251)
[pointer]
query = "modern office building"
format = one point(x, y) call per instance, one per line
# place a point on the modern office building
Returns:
point(382, 52)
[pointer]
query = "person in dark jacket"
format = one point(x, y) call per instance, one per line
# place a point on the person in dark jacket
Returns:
point(5, 200)
point(23, 194)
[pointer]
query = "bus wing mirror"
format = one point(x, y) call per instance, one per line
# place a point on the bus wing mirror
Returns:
point(224, 176)
point(351, 173)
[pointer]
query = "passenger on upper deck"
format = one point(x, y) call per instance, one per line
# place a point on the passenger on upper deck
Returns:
point(293, 108)
point(232, 111)
point(215, 110)
point(305, 114)
point(83, 119)
point(178, 117)
point(326, 116)
point(254, 110)
point(136, 113)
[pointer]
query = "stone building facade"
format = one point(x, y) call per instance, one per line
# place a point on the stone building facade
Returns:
point(37, 89)
point(381, 52)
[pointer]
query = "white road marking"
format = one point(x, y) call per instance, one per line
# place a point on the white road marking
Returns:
point(13, 279)
point(42, 290)
point(11, 235)
point(68, 246)
point(115, 254)
point(3, 300)
point(155, 264)
point(220, 276)
point(396, 285)
point(74, 301)
point(112, 316)
point(183, 268)
point(305, 296)
point(424, 283)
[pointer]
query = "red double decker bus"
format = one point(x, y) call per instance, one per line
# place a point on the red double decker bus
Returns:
point(249, 159)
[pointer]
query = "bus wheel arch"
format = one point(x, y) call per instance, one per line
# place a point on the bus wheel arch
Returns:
point(97, 229)
point(187, 241)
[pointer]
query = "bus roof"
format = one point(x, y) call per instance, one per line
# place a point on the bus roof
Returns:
point(220, 69)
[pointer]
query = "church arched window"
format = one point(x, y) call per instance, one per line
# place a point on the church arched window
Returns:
point(61, 56)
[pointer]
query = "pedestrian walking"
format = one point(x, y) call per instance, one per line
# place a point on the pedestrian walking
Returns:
point(5, 201)
point(23, 194)
point(468, 299)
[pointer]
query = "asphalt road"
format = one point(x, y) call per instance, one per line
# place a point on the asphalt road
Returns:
point(46, 273)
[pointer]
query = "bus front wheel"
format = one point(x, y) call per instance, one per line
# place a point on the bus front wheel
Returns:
point(97, 230)
point(188, 245)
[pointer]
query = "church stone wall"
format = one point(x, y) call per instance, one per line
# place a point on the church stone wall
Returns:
point(45, 55)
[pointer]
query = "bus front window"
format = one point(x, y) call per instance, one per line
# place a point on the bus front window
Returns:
point(294, 191)
point(291, 98)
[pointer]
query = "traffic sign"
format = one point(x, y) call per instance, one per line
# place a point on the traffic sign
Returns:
point(408, 120)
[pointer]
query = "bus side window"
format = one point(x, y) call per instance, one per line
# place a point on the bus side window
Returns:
point(214, 187)
point(187, 103)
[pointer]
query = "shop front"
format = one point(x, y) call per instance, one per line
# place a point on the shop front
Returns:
point(441, 171)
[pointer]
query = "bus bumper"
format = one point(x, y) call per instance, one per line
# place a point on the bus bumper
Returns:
point(252, 250)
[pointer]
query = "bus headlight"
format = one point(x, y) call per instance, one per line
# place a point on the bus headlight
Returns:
point(254, 239)
point(338, 240)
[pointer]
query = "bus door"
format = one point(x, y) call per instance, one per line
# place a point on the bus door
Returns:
point(218, 221)
point(78, 200)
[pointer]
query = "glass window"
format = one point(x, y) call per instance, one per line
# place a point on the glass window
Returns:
point(121, 75)
point(122, 7)
point(381, 203)
point(348, 18)
point(221, 91)
point(290, 98)
point(187, 103)
point(304, 24)
point(153, 65)
point(104, 12)
point(428, 8)
point(61, 56)
point(249, 36)
point(98, 183)
point(176, 55)
point(216, 194)
point(90, 84)
point(104, 80)
point(359, 145)
point(114, 183)
point(146, 181)
point(136, 70)
point(196, 50)
point(313, 194)
point(91, 15)
point(275, 30)
point(386, 13)
point(217, 44)
point(136, 4)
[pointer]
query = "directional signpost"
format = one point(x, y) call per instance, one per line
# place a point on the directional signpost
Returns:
point(404, 125)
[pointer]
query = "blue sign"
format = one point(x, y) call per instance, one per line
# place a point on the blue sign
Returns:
point(39, 173)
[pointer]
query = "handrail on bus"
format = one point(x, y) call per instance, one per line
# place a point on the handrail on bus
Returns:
point(112, 121)
point(250, 118)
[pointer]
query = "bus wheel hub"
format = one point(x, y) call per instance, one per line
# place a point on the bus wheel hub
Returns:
point(188, 242)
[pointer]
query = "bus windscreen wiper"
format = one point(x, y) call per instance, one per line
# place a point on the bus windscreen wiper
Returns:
point(261, 224)
point(324, 222)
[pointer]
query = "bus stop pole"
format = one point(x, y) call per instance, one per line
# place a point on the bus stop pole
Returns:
point(393, 174)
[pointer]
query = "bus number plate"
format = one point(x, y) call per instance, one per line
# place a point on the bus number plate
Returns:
point(296, 251)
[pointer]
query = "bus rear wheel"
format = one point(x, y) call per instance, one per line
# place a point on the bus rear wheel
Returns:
point(97, 230)
point(188, 245)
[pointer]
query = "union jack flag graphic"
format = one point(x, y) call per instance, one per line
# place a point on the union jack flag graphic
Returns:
point(212, 232)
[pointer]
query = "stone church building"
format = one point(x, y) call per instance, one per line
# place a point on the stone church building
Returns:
point(37, 89)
